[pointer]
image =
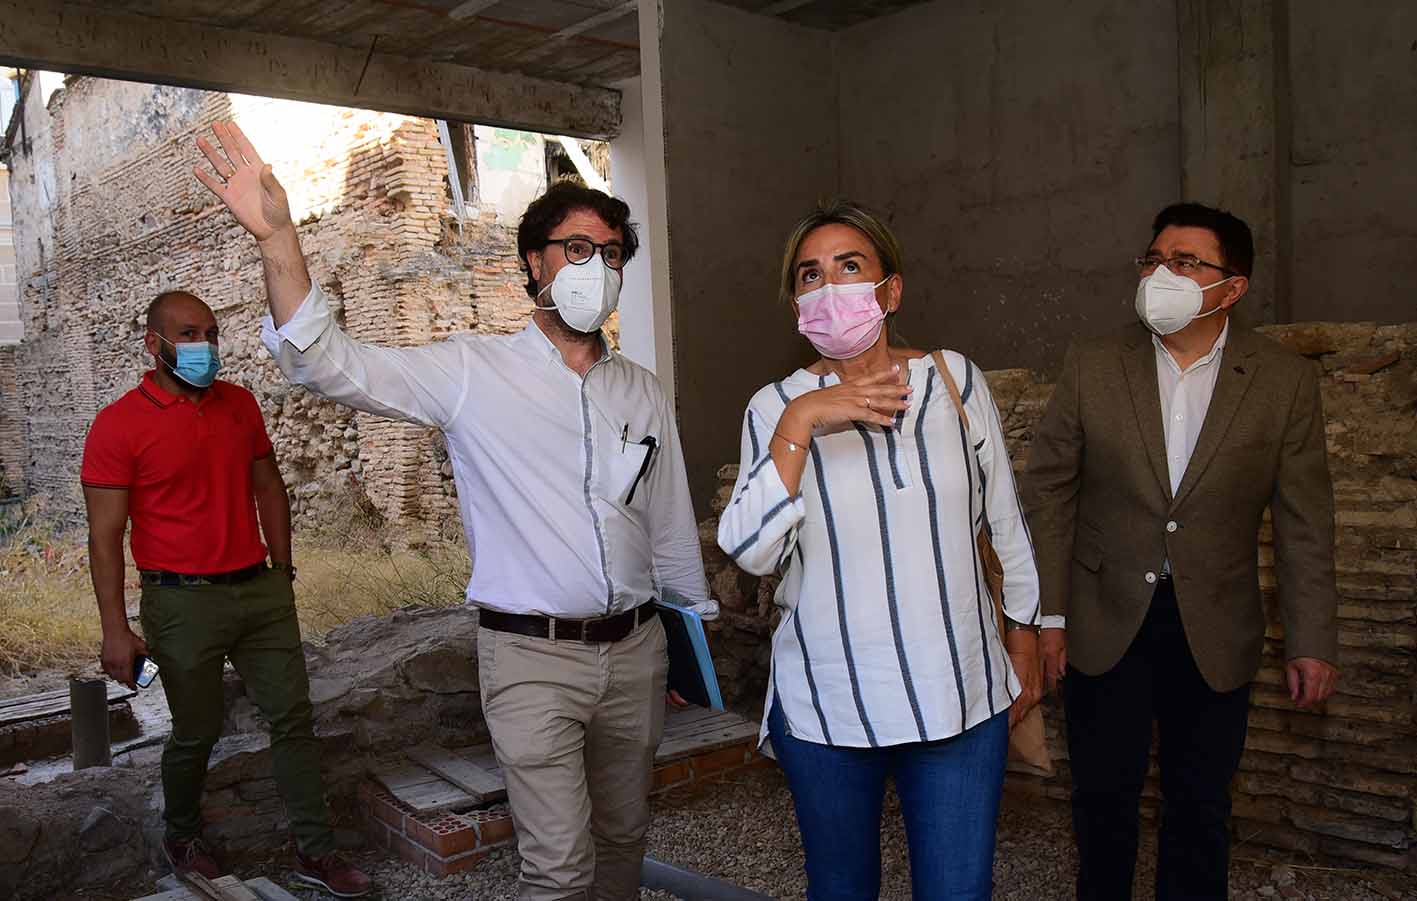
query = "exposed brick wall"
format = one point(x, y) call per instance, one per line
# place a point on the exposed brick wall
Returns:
point(1340, 784)
point(108, 214)
point(12, 433)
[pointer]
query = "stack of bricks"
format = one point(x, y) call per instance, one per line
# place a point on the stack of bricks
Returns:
point(1339, 784)
point(447, 842)
point(108, 213)
point(441, 843)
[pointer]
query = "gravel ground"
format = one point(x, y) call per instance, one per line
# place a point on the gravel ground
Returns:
point(743, 830)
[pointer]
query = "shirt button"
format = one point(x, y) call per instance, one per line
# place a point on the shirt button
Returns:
point(1171, 526)
point(1151, 578)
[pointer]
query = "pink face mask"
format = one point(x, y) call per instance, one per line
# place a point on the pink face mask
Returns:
point(841, 321)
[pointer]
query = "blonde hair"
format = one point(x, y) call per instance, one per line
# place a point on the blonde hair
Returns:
point(843, 212)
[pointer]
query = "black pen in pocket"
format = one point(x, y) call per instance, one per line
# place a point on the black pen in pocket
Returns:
point(652, 445)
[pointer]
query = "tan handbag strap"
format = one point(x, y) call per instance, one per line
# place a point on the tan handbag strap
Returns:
point(987, 555)
point(944, 371)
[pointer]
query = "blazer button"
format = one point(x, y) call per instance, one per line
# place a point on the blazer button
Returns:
point(1151, 578)
point(1171, 526)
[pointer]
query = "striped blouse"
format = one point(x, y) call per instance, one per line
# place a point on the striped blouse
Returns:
point(888, 633)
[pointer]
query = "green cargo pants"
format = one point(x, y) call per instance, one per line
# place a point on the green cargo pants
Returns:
point(191, 630)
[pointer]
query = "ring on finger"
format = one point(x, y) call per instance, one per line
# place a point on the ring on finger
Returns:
point(868, 404)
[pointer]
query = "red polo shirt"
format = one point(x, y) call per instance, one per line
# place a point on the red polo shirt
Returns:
point(187, 469)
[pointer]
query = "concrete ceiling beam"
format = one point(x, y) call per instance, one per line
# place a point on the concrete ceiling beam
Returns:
point(68, 37)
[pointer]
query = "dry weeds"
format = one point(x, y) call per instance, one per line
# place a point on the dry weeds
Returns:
point(49, 619)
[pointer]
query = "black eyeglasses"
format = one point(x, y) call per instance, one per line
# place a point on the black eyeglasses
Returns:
point(580, 250)
point(1183, 264)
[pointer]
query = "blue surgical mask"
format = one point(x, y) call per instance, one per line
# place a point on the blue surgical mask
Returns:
point(197, 362)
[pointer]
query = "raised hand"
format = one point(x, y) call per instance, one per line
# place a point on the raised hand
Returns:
point(243, 182)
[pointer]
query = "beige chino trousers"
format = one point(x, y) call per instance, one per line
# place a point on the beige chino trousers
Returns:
point(575, 727)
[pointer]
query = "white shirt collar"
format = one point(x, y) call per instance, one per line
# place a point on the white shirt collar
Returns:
point(538, 343)
point(1209, 358)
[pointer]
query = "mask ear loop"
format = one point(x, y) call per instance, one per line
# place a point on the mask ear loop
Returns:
point(535, 301)
point(1207, 288)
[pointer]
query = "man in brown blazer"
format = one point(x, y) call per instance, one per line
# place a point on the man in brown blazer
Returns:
point(1147, 482)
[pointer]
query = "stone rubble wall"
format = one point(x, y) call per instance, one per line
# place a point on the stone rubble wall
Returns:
point(1341, 784)
point(108, 214)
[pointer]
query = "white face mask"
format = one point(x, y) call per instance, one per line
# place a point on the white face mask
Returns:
point(1167, 303)
point(585, 295)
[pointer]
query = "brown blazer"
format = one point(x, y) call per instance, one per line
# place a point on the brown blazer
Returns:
point(1098, 499)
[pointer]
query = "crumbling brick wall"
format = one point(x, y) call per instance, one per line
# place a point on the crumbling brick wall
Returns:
point(109, 214)
point(11, 430)
point(1339, 784)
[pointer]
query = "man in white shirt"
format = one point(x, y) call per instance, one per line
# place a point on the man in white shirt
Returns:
point(1147, 483)
point(573, 497)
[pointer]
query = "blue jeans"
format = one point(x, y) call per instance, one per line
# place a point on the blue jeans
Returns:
point(949, 797)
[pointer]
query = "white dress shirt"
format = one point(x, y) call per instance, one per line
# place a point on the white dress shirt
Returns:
point(568, 510)
point(888, 633)
point(1185, 398)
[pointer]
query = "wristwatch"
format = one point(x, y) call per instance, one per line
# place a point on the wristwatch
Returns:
point(284, 568)
point(1013, 626)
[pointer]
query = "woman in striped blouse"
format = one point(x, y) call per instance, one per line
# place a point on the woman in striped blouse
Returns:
point(861, 486)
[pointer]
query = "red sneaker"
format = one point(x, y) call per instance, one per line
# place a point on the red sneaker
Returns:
point(191, 856)
point(333, 873)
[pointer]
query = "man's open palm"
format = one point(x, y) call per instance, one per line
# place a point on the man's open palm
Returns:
point(243, 182)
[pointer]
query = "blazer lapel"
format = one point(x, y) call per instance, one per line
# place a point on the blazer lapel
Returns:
point(1238, 364)
point(1139, 363)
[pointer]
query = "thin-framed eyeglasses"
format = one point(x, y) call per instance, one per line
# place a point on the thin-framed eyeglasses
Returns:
point(579, 251)
point(1181, 264)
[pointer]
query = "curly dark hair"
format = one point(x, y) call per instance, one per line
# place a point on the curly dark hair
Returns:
point(550, 209)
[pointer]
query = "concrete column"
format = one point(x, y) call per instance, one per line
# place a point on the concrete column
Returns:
point(88, 717)
point(645, 333)
point(1234, 97)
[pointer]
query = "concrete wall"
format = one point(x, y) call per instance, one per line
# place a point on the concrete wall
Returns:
point(750, 125)
point(1353, 75)
point(1019, 165)
point(1021, 159)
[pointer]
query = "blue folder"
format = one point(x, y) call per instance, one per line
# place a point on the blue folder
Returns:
point(691, 671)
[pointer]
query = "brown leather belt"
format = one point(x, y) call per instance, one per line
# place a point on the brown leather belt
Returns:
point(606, 628)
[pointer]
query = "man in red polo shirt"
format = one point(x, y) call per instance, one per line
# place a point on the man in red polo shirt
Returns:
point(187, 460)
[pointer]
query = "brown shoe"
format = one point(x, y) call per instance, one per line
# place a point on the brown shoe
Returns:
point(191, 856)
point(333, 873)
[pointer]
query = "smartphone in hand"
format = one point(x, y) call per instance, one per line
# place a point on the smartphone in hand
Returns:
point(144, 671)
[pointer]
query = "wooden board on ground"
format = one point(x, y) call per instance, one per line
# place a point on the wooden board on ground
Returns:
point(699, 730)
point(425, 792)
point(259, 889)
point(480, 783)
point(437, 779)
point(51, 703)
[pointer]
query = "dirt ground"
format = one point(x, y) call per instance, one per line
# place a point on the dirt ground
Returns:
point(743, 830)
